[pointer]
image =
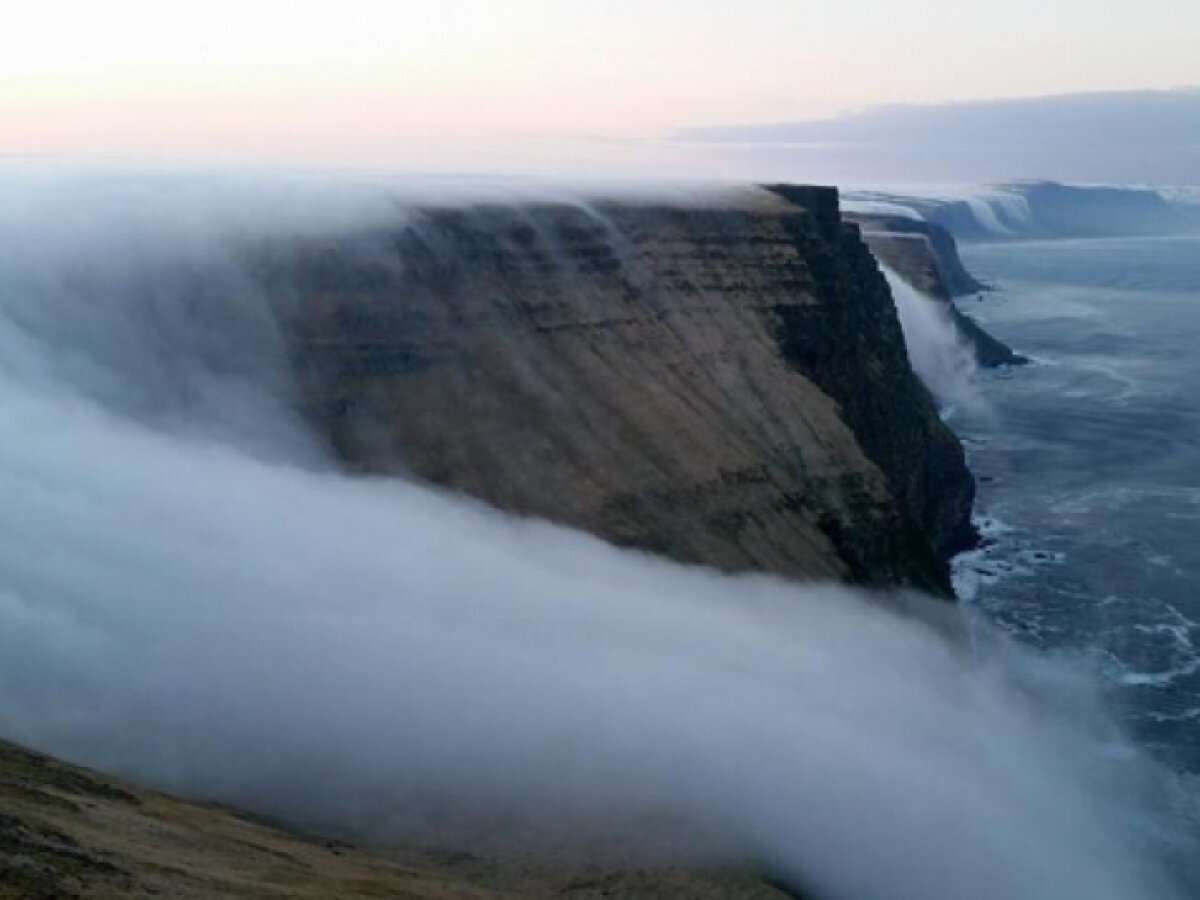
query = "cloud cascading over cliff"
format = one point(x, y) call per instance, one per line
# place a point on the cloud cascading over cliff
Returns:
point(194, 592)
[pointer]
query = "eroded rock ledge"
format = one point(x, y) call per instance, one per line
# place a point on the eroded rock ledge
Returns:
point(724, 382)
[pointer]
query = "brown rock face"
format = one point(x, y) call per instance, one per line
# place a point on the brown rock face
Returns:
point(724, 383)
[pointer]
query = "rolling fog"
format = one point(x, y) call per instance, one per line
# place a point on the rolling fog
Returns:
point(192, 596)
point(939, 355)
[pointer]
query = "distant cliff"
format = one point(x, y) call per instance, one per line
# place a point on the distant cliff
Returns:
point(1047, 209)
point(724, 382)
point(1062, 210)
point(925, 255)
point(924, 252)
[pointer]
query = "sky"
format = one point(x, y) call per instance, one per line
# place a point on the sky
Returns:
point(495, 85)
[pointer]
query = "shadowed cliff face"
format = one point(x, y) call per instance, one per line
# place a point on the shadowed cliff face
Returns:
point(724, 384)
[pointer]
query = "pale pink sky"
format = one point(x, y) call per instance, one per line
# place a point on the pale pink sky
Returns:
point(493, 82)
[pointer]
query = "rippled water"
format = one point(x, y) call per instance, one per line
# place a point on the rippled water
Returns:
point(1089, 468)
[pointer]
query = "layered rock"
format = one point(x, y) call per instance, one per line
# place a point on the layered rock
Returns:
point(722, 382)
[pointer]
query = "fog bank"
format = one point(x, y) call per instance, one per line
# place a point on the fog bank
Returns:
point(191, 595)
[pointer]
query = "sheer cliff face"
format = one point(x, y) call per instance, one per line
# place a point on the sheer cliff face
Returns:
point(723, 383)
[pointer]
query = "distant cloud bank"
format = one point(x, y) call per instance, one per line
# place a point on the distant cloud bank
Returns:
point(1118, 137)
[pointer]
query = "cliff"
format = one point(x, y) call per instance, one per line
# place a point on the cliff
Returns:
point(1047, 209)
point(926, 256)
point(1062, 210)
point(723, 381)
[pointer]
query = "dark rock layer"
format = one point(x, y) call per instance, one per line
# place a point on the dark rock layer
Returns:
point(851, 345)
point(724, 383)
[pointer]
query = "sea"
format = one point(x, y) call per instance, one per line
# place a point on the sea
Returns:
point(1088, 463)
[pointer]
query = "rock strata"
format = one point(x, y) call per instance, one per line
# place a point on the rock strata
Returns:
point(723, 382)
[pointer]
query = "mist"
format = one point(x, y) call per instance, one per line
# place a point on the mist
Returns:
point(939, 354)
point(193, 596)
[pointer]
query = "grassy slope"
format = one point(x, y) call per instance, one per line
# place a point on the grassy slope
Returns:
point(69, 832)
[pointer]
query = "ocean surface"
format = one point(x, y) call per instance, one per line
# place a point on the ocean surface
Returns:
point(1088, 464)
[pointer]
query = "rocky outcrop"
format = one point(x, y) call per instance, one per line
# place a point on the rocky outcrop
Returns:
point(720, 381)
point(925, 255)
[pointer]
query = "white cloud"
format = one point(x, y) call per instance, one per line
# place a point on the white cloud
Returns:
point(373, 657)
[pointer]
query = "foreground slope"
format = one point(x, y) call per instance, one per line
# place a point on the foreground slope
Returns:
point(69, 832)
